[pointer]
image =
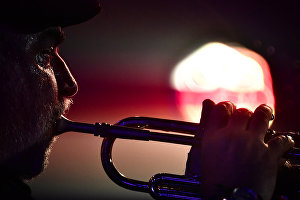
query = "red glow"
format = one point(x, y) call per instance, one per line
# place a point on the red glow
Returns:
point(247, 83)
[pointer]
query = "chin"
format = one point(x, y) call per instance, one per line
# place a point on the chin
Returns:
point(37, 163)
point(38, 159)
point(31, 162)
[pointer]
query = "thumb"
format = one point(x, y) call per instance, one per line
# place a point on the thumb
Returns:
point(280, 145)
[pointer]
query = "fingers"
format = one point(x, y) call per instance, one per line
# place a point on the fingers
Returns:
point(259, 122)
point(212, 117)
point(240, 119)
point(207, 107)
point(280, 145)
point(193, 165)
point(219, 116)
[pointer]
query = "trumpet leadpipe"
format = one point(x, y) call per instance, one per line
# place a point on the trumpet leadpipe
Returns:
point(141, 128)
point(128, 129)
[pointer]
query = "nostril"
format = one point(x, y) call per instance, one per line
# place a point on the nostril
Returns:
point(70, 89)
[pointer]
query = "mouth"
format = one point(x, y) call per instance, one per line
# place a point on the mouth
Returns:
point(60, 120)
point(60, 126)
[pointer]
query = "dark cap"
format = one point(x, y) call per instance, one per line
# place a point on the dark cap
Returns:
point(36, 15)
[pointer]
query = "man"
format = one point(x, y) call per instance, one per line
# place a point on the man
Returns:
point(36, 87)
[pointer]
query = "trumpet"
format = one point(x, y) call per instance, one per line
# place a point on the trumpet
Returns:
point(162, 185)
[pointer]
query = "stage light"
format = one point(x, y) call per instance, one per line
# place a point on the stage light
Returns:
point(221, 72)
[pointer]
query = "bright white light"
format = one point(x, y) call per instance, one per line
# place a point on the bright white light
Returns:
point(222, 73)
point(216, 65)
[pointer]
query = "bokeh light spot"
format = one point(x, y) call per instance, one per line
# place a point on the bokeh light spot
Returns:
point(221, 72)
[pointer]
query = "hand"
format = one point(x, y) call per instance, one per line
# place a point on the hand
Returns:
point(233, 152)
point(193, 165)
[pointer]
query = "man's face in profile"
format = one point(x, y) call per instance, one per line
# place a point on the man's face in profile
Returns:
point(36, 87)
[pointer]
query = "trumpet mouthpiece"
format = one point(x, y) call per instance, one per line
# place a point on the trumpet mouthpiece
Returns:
point(62, 125)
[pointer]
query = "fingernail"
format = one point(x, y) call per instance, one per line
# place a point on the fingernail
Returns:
point(267, 106)
point(232, 107)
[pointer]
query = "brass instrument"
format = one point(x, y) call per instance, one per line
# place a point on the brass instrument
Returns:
point(161, 185)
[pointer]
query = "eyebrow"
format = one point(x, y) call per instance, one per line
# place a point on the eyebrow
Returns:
point(55, 34)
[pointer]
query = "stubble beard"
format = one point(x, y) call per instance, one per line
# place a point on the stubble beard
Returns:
point(31, 109)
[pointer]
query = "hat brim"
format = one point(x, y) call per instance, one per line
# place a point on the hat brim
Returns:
point(35, 15)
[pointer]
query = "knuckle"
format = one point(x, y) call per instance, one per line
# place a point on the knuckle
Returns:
point(290, 140)
point(283, 141)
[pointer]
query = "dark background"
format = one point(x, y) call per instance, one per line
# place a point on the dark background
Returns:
point(122, 60)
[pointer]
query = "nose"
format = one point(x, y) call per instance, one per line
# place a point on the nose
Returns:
point(66, 83)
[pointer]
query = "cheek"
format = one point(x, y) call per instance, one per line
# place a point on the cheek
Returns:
point(45, 81)
point(30, 101)
point(47, 107)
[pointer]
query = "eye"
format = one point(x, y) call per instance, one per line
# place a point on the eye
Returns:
point(45, 56)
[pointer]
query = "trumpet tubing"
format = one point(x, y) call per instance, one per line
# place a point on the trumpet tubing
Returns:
point(141, 128)
point(155, 129)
